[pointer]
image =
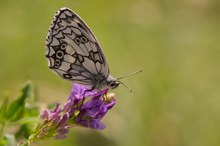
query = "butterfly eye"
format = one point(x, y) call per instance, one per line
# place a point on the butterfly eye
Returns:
point(77, 40)
point(84, 39)
point(59, 54)
point(114, 84)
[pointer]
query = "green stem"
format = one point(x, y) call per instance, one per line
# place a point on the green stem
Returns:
point(26, 143)
point(2, 129)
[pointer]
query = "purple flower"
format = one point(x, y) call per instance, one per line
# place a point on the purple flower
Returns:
point(93, 111)
point(76, 111)
point(79, 92)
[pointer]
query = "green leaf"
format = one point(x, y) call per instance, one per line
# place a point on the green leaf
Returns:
point(32, 112)
point(16, 108)
point(3, 110)
point(27, 120)
point(25, 131)
point(10, 140)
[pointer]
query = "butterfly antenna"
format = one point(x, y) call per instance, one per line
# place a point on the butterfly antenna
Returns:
point(125, 86)
point(130, 75)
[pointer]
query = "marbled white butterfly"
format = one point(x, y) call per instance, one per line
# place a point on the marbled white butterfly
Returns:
point(74, 53)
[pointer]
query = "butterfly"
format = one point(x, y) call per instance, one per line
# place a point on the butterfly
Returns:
point(74, 53)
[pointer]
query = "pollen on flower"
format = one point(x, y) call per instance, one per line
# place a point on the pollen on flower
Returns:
point(107, 98)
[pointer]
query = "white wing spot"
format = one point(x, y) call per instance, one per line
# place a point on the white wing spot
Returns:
point(74, 45)
point(55, 42)
point(68, 13)
point(73, 24)
point(59, 35)
point(94, 48)
point(50, 61)
point(98, 66)
point(82, 46)
point(70, 50)
point(51, 51)
point(67, 31)
point(62, 15)
point(89, 64)
point(65, 66)
point(69, 58)
point(76, 31)
point(88, 46)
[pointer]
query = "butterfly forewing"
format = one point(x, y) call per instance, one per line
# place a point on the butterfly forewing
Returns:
point(73, 51)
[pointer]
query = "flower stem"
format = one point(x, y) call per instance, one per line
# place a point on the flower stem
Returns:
point(26, 143)
point(2, 129)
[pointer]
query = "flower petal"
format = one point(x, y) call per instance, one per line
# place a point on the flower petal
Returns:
point(93, 123)
point(63, 120)
point(45, 114)
point(80, 91)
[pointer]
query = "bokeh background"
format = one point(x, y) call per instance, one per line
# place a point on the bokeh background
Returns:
point(175, 101)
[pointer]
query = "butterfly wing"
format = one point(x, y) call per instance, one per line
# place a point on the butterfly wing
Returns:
point(73, 51)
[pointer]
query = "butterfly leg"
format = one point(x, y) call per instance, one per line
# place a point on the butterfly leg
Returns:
point(84, 95)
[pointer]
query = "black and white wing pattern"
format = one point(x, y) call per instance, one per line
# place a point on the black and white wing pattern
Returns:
point(73, 51)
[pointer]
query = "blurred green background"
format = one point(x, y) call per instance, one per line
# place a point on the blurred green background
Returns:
point(175, 101)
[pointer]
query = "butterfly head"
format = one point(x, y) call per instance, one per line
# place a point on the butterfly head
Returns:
point(112, 82)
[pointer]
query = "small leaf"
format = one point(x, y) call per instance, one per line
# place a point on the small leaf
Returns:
point(25, 131)
point(27, 120)
point(16, 108)
point(3, 110)
point(32, 112)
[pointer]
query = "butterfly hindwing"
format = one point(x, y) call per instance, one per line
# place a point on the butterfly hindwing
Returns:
point(73, 51)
